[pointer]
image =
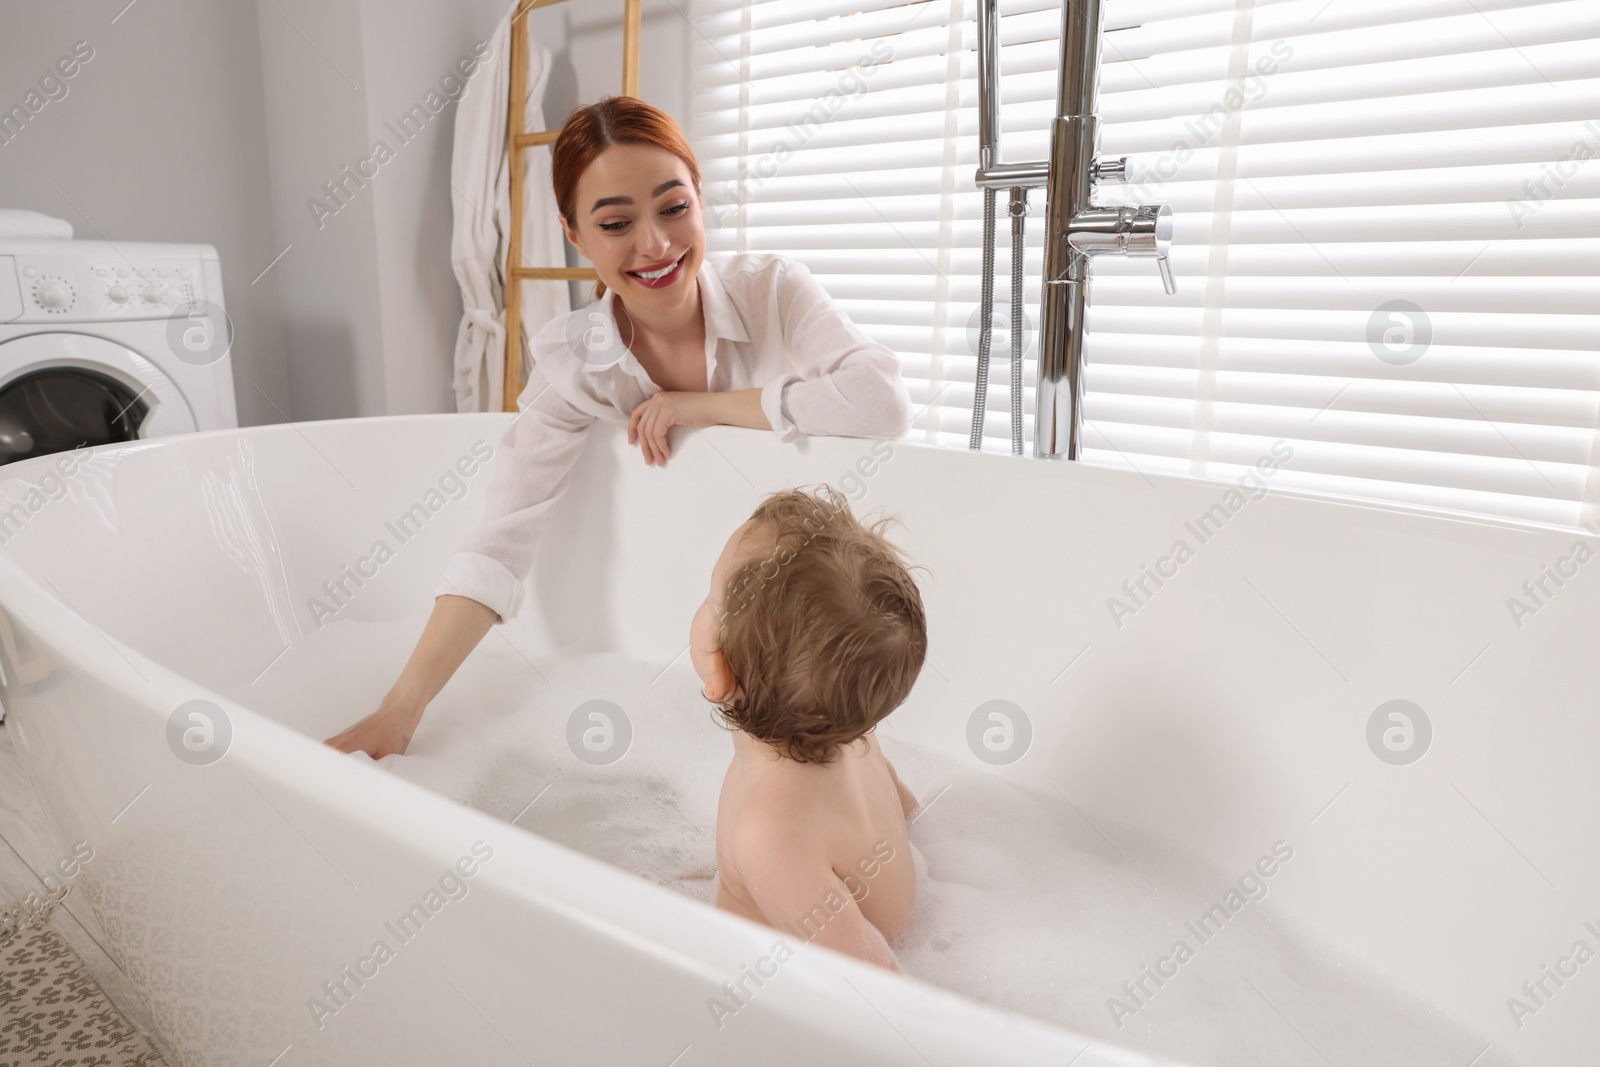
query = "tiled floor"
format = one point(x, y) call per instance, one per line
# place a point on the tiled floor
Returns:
point(27, 849)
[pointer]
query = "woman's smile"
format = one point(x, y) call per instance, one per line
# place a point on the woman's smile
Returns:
point(661, 276)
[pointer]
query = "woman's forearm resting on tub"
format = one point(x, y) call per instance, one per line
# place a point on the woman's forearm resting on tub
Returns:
point(857, 400)
point(844, 403)
point(736, 407)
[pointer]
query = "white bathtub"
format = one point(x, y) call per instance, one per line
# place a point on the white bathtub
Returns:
point(1228, 712)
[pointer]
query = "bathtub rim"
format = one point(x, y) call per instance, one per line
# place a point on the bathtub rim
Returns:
point(19, 469)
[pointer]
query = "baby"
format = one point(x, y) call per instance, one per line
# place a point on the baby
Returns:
point(812, 633)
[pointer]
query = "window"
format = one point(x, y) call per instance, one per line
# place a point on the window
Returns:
point(1387, 242)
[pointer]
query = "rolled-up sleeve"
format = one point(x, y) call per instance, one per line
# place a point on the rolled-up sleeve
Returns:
point(842, 382)
point(532, 469)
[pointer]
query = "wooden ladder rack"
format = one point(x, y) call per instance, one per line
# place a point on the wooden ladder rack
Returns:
point(516, 272)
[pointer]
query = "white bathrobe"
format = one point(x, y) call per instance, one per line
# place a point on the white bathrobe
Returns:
point(480, 179)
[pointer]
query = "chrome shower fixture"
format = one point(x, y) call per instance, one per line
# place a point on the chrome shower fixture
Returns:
point(1078, 229)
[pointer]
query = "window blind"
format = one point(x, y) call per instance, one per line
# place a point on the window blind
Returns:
point(1386, 241)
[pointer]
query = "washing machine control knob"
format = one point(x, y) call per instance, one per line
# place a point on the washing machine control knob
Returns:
point(152, 294)
point(53, 295)
point(118, 294)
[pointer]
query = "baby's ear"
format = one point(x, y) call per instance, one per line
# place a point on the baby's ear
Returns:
point(722, 674)
point(729, 693)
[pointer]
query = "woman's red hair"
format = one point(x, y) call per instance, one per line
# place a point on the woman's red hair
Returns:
point(591, 129)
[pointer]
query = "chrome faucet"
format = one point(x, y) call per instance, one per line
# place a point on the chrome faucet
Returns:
point(1078, 229)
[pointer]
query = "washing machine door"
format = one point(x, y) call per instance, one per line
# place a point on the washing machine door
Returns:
point(61, 391)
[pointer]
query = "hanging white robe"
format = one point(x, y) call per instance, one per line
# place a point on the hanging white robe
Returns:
point(480, 179)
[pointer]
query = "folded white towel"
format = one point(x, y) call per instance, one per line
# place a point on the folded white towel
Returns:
point(31, 225)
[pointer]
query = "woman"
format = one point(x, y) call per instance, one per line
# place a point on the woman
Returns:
point(750, 340)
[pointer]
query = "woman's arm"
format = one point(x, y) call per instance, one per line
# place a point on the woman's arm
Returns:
point(485, 581)
point(842, 383)
point(537, 453)
point(454, 629)
point(650, 421)
point(737, 407)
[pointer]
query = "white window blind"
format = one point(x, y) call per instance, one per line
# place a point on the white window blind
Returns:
point(1386, 242)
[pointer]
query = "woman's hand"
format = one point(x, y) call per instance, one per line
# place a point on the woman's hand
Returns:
point(454, 629)
point(386, 731)
point(650, 421)
point(648, 424)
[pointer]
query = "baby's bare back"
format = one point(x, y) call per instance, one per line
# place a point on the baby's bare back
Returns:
point(817, 848)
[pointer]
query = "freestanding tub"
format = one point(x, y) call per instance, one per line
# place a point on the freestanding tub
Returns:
point(1241, 700)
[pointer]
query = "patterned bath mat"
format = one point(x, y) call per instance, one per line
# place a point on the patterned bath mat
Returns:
point(52, 1014)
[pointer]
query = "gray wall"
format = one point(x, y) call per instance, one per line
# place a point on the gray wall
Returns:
point(218, 122)
point(161, 137)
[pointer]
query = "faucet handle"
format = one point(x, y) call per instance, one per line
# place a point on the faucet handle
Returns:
point(1143, 231)
point(1166, 274)
point(1151, 236)
point(1109, 169)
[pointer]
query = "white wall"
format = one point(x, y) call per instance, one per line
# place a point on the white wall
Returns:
point(313, 79)
point(409, 47)
point(160, 137)
point(217, 123)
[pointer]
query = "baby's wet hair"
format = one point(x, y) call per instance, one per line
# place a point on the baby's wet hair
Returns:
point(821, 623)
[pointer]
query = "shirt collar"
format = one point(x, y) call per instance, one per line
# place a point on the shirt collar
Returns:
point(722, 318)
point(717, 310)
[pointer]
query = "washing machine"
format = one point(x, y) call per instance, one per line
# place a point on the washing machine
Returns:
point(103, 342)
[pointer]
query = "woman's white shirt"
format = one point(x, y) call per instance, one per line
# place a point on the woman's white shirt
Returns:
point(769, 326)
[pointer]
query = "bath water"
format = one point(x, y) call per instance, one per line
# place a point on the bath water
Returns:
point(1024, 904)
